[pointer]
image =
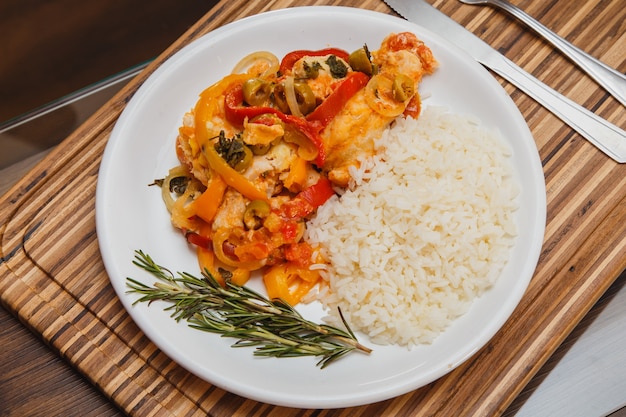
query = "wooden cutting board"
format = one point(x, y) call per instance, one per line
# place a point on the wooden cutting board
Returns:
point(53, 279)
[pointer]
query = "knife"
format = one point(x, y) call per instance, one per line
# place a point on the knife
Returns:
point(607, 137)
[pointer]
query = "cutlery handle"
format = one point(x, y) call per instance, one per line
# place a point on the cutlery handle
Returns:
point(607, 137)
point(613, 81)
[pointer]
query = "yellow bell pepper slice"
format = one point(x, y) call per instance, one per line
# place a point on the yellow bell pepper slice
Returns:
point(289, 282)
point(297, 175)
point(231, 176)
point(206, 260)
point(210, 103)
point(206, 108)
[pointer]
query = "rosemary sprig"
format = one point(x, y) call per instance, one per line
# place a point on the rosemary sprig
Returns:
point(272, 326)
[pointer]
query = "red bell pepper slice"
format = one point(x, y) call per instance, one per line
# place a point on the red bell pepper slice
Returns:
point(414, 107)
point(286, 64)
point(333, 104)
point(310, 132)
point(308, 200)
point(318, 193)
point(235, 112)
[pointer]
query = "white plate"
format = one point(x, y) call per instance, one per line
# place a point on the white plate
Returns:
point(130, 215)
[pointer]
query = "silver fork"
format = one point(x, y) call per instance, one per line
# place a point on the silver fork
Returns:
point(613, 81)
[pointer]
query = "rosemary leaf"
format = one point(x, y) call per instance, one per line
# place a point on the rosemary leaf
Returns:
point(272, 327)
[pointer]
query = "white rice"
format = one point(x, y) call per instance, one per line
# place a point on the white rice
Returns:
point(426, 227)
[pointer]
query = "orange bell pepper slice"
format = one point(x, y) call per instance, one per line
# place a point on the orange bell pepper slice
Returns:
point(209, 201)
point(297, 175)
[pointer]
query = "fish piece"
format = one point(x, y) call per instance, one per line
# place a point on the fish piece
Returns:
point(349, 137)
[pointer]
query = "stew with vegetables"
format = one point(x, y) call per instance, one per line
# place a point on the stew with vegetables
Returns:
point(268, 144)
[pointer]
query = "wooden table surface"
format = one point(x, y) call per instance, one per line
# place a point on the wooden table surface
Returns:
point(53, 280)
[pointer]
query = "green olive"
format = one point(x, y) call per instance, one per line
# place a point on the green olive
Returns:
point(280, 100)
point(245, 161)
point(256, 211)
point(256, 91)
point(402, 88)
point(305, 97)
point(359, 60)
point(306, 149)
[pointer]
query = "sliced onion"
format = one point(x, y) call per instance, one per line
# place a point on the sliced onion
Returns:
point(290, 96)
point(248, 60)
point(379, 96)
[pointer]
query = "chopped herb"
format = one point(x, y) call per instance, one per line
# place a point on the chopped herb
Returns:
point(178, 185)
point(311, 70)
point(231, 149)
point(338, 68)
point(158, 182)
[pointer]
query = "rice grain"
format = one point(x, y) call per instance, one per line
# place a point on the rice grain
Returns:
point(424, 229)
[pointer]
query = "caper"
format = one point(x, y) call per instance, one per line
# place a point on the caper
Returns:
point(256, 91)
point(402, 88)
point(256, 211)
point(245, 161)
point(359, 60)
point(305, 98)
